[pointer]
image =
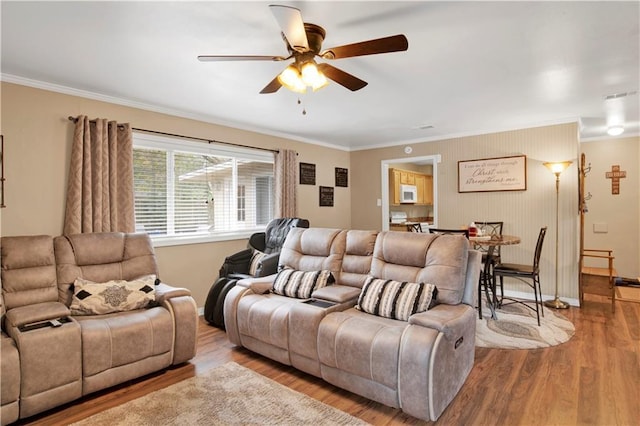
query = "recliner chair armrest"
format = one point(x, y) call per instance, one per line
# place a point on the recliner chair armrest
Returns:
point(447, 319)
point(259, 285)
point(239, 262)
point(165, 292)
point(268, 265)
point(35, 313)
point(184, 311)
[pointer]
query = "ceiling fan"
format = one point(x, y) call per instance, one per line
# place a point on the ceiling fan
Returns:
point(304, 43)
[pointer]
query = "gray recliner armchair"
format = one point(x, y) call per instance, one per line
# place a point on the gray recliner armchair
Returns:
point(269, 242)
point(260, 259)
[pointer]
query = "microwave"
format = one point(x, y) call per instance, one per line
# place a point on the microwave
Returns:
point(408, 194)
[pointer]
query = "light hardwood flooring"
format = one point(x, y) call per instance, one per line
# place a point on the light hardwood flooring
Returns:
point(594, 379)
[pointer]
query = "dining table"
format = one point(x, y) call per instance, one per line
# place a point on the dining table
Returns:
point(487, 276)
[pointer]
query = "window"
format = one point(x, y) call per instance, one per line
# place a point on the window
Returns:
point(192, 192)
point(242, 213)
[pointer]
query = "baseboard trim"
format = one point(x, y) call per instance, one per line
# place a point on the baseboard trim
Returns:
point(527, 296)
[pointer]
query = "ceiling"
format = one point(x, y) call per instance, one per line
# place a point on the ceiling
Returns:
point(471, 67)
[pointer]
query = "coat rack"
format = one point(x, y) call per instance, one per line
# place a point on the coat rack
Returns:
point(591, 278)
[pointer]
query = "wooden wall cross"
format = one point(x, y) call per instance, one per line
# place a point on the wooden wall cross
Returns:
point(615, 175)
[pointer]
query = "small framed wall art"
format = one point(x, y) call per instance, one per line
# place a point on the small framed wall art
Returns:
point(342, 177)
point(307, 174)
point(326, 196)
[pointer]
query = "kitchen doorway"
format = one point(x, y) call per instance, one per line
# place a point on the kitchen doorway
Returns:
point(427, 161)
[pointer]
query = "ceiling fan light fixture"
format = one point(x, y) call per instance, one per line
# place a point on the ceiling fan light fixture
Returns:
point(320, 82)
point(290, 78)
point(312, 77)
point(298, 80)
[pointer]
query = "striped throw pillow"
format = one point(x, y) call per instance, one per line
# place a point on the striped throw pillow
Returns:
point(301, 284)
point(395, 299)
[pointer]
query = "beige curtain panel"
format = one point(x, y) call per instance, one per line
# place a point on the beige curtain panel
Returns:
point(100, 187)
point(286, 179)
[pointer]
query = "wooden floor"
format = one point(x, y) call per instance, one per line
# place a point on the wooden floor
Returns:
point(594, 379)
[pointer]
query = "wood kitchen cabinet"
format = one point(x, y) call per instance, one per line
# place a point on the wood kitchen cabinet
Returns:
point(407, 178)
point(425, 194)
point(394, 186)
point(423, 183)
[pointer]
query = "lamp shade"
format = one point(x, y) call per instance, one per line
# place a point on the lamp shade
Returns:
point(290, 78)
point(312, 77)
point(557, 167)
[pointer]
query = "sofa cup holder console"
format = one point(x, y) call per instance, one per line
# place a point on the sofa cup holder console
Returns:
point(53, 323)
point(320, 303)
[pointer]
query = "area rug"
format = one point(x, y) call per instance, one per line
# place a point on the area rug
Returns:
point(226, 395)
point(517, 328)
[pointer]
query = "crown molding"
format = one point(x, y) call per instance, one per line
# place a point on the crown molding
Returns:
point(58, 88)
point(478, 132)
point(52, 87)
point(608, 138)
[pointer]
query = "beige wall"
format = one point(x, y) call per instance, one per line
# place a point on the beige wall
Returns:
point(620, 213)
point(37, 144)
point(524, 212)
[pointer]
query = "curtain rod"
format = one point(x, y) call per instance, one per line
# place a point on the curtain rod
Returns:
point(74, 119)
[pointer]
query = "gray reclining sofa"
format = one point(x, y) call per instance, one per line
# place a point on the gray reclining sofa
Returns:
point(418, 364)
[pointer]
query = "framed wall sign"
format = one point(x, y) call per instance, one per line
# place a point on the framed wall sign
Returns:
point(493, 174)
point(307, 174)
point(326, 196)
point(342, 177)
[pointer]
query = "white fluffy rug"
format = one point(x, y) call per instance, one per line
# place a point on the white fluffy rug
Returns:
point(517, 328)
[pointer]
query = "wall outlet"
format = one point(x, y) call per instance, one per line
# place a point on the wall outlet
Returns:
point(600, 228)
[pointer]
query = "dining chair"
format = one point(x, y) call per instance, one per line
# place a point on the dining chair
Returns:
point(489, 229)
point(524, 273)
point(414, 227)
point(486, 273)
point(464, 232)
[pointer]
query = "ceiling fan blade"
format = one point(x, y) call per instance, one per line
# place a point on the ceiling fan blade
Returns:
point(290, 21)
point(345, 79)
point(396, 43)
point(272, 87)
point(224, 58)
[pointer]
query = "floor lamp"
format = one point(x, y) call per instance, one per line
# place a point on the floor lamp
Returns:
point(557, 168)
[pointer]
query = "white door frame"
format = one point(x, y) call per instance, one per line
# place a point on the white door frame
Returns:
point(435, 159)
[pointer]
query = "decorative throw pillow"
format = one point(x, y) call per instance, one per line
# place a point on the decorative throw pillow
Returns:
point(301, 284)
point(256, 259)
point(90, 298)
point(395, 299)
